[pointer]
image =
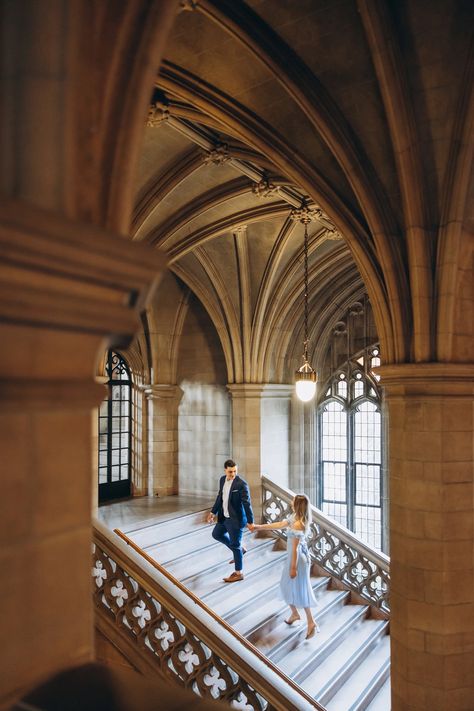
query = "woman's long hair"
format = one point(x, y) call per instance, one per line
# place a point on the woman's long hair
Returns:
point(302, 509)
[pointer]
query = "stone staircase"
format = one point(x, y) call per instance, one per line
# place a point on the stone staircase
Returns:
point(345, 668)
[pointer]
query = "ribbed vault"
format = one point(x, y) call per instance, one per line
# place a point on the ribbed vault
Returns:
point(258, 110)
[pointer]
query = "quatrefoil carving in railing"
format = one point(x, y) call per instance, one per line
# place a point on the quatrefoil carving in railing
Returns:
point(359, 572)
point(247, 700)
point(377, 586)
point(161, 636)
point(216, 679)
point(119, 592)
point(214, 682)
point(187, 656)
point(323, 547)
point(340, 559)
point(99, 573)
point(273, 511)
point(142, 613)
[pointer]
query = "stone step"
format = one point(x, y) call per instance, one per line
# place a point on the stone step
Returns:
point(336, 668)
point(158, 531)
point(288, 648)
point(196, 541)
point(239, 595)
point(336, 627)
point(365, 681)
point(263, 618)
point(382, 700)
point(204, 573)
point(345, 667)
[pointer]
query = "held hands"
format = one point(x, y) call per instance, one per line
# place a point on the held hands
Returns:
point(210, 517)
point(252, 526)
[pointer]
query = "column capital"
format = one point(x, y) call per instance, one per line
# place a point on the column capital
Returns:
point(162, 391)
point(427, 379)
point(260, 390)
point(62, 274)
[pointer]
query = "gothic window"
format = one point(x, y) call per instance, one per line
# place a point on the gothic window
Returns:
point(350, 448)
point(115, 430)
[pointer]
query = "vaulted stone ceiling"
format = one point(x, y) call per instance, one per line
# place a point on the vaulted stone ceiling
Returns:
point(265, 106)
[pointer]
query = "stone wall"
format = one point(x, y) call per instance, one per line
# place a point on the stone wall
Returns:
point(204, 410)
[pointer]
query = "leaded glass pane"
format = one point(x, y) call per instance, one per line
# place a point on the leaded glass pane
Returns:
point(116, 405)
point(336, 511)
point(124, 471)
point(367, 430)
point(334, 432)
point(368, 525)
point(367, 484)
point(334, 481)
point(342, 388)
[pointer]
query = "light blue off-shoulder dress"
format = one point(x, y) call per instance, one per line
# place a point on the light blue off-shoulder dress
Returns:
point(297, 591)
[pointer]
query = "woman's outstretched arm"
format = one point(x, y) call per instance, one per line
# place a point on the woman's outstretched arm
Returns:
point(275, 524)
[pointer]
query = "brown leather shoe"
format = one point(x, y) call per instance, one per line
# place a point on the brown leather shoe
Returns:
point(234, 577)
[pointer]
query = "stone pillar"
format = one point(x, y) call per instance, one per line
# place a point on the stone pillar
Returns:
point(68, 291)
point(64, 296)
point(260, 434)
point(162, 412)
point(432, 544)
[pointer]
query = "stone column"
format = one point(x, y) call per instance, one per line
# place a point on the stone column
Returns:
point(432, 544)
point(260, 434)
point(162, 412)
point(63, 297)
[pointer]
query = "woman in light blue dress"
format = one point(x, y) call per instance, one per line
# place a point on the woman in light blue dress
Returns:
point(295, 584)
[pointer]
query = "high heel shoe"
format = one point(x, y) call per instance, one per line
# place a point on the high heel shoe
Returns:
point(290, 620)
point(314, 630)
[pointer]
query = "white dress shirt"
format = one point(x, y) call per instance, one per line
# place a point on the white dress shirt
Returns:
point(225, 496)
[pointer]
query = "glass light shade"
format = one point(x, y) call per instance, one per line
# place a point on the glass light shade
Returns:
point(306, 382)
point(305, 390)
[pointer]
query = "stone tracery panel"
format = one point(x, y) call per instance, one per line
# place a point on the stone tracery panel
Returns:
point(336, 550)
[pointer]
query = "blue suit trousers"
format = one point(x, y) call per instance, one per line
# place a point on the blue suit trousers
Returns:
point(230, 535)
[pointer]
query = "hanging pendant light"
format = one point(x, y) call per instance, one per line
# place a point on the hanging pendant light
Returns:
point(306, 377)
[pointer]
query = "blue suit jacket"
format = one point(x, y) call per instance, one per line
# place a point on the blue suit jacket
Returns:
point(240, 508)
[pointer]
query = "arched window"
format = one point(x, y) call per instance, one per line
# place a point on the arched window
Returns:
point(115, 431)
point(350, 484)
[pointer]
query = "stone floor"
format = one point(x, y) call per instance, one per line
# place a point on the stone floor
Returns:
point(128, 514)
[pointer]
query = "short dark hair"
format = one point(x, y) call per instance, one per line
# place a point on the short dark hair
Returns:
point(229, 463)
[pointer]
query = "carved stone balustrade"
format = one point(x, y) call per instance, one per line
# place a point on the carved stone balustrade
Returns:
point(334, 548)
point(164, 629)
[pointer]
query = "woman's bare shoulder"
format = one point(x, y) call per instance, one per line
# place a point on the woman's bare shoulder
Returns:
point(298, 526)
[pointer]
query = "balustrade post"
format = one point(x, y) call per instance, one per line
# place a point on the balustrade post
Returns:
point(430, 410)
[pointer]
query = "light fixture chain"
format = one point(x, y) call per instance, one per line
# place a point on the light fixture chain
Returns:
point(306, 292)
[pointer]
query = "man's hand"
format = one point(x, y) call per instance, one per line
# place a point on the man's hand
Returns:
point(210, 517)
point(293, 572)
point(251, 526)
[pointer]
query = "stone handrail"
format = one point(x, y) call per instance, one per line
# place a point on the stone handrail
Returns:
point(176, 634)
point(337, 550)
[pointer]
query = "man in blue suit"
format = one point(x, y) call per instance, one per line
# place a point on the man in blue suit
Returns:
point(233, 511)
